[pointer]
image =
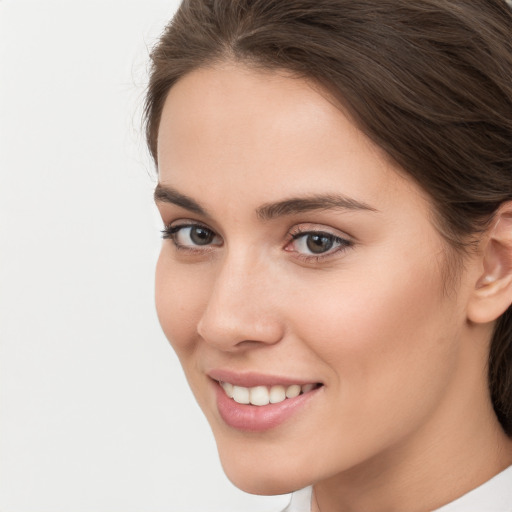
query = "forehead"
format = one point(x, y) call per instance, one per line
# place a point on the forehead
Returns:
point(235, 104)
point(234, 131)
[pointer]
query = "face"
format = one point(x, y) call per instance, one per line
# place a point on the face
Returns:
point(298, 261)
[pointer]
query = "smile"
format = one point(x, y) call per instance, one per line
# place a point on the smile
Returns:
point(265, 395)
point(260, 406)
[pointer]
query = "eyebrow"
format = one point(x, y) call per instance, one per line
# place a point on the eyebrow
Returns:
point(166, 194)
point(310, 203)
point(269, 211)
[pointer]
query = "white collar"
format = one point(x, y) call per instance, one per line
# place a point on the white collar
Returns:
point(495, 495)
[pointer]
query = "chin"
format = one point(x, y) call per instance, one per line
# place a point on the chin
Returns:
point(262, 483)
point(269, 474)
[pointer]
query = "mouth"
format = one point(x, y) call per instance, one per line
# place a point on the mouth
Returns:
point(261, 396)
point(257, 403)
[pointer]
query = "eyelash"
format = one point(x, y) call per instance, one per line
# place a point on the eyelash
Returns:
point(171, 232)
point(341, 244)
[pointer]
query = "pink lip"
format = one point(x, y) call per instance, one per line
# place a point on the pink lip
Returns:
point(251, 379)
point(253, 418)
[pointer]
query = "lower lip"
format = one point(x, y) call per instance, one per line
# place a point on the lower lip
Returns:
point(254, 418)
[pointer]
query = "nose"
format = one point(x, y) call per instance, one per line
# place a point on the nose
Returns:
point(242, 310)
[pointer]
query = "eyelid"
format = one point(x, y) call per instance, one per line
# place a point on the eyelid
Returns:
point(171, 231)
point(185, 223)
point(308, 227)
point(343, 240)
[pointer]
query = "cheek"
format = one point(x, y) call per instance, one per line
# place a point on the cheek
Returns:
point(384, 338)
point(180, 296)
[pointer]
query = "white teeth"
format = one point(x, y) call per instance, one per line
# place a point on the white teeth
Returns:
point(277, 394)
point(293, 391)
point(262, 395)
point(240, 394)
point(228, 388)
point(259, 395)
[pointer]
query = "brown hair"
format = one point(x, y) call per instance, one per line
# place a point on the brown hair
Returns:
point(430, 81)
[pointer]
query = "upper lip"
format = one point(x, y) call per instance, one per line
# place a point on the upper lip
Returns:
point(253, 379)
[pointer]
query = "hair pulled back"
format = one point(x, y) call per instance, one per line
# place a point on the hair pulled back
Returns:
point(430, 81)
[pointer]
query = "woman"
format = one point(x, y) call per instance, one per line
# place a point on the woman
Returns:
point(335, 181)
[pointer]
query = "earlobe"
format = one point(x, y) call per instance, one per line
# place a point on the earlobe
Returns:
point(492, 293)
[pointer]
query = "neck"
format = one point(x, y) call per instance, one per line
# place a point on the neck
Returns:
point(402, 483)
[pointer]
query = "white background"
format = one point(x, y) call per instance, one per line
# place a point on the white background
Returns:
point(95, 414)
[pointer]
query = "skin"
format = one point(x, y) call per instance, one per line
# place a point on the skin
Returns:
point(403, 420)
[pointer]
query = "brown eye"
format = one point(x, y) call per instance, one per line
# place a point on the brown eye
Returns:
point(319, 243)
point(192, 236)
point(201, 236)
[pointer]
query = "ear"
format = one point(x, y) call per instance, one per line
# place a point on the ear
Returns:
point(492, 294)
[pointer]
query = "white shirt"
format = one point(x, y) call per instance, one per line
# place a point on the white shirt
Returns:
point(495, 495)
